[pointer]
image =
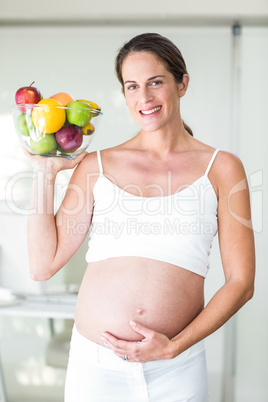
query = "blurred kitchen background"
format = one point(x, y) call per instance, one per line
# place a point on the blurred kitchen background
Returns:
point(70, 47)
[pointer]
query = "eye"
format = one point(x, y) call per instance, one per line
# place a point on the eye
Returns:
point(132, 87)
point(156, 83)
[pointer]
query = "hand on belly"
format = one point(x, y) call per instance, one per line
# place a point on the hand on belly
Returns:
point(153, 346)
point(160, 297)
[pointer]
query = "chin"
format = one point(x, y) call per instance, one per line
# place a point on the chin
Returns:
point(151, 128)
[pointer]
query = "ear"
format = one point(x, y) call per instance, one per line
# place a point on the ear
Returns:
point(183, 85)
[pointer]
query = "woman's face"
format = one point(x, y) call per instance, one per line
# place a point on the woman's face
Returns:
point(152, 95)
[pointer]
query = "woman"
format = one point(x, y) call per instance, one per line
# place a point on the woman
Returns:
point(153, 205)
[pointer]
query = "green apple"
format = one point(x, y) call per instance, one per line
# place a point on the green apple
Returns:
point(22, 125)
point(79, 113)
point(44, 144)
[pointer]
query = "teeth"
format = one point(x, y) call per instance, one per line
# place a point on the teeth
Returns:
point(151, 111)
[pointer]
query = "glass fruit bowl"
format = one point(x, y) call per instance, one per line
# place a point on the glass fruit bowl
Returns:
point(49, 130)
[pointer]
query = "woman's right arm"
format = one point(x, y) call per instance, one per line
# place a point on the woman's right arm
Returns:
point(54, 239)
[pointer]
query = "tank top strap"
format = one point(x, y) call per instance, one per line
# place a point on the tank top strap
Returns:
point(99, 161)
point(211, 161)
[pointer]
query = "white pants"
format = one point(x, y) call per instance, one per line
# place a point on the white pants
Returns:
point(96, 374)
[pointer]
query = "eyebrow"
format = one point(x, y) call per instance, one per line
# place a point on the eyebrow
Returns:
point(149, 79)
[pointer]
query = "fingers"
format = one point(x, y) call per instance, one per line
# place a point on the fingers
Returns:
point(54, 163)
point(119, 347)
point(133, 349)
point(141, 329)
point(153, 345)
point(78, 159)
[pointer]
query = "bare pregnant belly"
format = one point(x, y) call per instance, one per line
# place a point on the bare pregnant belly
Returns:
point(161, 296)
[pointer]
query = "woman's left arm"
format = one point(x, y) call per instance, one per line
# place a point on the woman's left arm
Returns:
point(237, 250)
point(236, 241)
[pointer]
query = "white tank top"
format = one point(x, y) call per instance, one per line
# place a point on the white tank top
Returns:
point(177, 229)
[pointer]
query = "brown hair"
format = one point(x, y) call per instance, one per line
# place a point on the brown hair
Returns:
point(160, 46)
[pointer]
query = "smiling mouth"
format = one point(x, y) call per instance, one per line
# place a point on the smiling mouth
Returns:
point(151, 111)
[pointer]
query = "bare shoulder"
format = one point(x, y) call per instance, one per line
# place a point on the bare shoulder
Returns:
point(227, 173)
point(228, 167)
point(86, 172)
point(89, 163)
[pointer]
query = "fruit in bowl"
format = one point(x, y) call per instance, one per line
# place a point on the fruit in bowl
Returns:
point(69, 138)
point(50, 128)
point(79, 113)
point(26, 95)
point(43, 145)
point(48, 116)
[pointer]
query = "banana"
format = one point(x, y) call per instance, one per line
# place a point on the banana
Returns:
point(88, 129)
point(92, 104)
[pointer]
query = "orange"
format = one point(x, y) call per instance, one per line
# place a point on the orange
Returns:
point(49, 116)
point(92, 104)
point(88, 129)
point(63, 98)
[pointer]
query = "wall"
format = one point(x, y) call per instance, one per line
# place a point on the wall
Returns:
point(252, 326)
point(121, 10)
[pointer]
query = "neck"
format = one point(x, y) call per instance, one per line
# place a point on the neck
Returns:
point(164, 141)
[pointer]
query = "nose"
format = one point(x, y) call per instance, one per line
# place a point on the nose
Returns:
point(145, 95)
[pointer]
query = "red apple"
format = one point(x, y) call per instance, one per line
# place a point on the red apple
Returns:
point(25, 95)
point(69, 138)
